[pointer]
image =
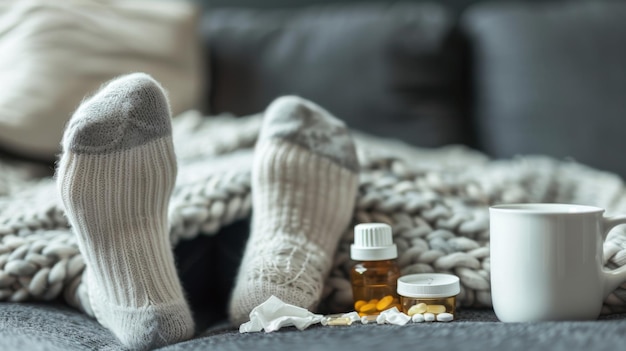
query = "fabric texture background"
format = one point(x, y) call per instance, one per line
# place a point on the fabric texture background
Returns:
point(55, 53)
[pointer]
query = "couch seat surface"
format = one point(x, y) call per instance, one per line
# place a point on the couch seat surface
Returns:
point(38, 326)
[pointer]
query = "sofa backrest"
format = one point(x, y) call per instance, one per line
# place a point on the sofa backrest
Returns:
point(508, 78)
point(550, 79)
point(391, 70)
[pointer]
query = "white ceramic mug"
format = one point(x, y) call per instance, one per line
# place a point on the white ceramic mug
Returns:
point(546, 261)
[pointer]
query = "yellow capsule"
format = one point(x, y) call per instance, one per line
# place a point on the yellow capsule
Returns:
point(419, 308)
point(368, 308)
point(339, 321)
point(368, 319)
point(359, 304)
point(384, 303)
point(436, 309)
point(374, 301)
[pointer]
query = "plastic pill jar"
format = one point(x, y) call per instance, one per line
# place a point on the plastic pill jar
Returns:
point(428, 293)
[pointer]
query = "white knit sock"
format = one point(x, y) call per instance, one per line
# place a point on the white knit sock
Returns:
point(304, 183)
point(116, 176)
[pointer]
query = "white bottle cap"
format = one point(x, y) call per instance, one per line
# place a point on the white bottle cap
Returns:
point(429, 285)
point(373, 242)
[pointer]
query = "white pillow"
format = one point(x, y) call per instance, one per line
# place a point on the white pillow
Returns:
point(53, 53)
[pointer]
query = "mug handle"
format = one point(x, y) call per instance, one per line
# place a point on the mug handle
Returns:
point(613, 278)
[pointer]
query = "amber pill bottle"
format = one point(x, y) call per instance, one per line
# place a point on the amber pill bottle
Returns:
point(375, 275)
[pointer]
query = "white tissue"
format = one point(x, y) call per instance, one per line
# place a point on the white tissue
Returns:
point(392, 316)
point(274, 314)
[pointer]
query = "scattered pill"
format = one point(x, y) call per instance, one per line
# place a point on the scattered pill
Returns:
point(436, 309)
point(368, 319)
point(381, 319)
point(336, 319)
point(392, 316)
point(429, 317)
point(419, 308)
point(340, 321)
point(352, 316)
point(417, 318)
point(445, 317)
point(368, 308)
point(329, 317)
point(384, 303)
point(359, 304)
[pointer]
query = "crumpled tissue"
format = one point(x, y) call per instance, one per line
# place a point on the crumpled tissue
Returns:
point(392, 316)
point(274, 314)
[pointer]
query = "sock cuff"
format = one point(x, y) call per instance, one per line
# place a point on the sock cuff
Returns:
point(131, 197)
point(306, 191)
point(125, 171)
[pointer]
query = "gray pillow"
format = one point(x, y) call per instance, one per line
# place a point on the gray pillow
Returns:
point(551, 79)
point(391, 70)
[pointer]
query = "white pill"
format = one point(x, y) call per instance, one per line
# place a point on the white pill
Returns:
point(445, 317)
point(417, 318)
point(429, 317)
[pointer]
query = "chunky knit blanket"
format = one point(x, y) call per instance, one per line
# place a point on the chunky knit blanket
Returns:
point(436, 201)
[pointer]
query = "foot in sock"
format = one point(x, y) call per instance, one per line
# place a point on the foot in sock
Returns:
point(304, 184)
point(115, 176)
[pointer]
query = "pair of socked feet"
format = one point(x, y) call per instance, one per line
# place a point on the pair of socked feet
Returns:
point(116, 175)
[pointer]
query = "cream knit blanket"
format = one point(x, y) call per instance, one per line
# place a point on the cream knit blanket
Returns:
point(435, 200)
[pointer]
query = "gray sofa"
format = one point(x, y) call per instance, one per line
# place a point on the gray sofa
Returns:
point(505, 78)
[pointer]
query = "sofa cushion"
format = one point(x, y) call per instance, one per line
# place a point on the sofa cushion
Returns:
point(551, 79)
point(52, 327)
point(54, 53)
point(391, 70)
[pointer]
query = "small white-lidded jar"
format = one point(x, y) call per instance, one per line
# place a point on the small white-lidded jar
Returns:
point(428, 293)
